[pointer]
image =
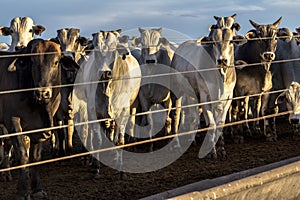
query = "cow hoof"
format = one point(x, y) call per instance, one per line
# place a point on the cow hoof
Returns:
point(122, 175)
point(26, 197)
point(39, 195)
point(212, 155)
point(6, 177)
point(238, 139)
point(96, 176)
point(222, 154)
point(296, 137)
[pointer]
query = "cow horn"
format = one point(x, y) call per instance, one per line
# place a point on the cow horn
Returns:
point(233, 16)
point(12, 67)
point(216, 18)
point(255, 25)
point(276, 24)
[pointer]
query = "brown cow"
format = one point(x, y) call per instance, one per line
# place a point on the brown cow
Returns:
point(34, 109)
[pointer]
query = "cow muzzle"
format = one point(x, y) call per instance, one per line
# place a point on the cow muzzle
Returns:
point(222, 61)
point(294, 121)
point(268, 56)
point(43, 95)
point(19, 47)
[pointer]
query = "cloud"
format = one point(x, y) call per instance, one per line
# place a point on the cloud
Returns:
point(282, 4)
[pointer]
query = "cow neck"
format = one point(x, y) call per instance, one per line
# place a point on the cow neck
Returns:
point(267, 82)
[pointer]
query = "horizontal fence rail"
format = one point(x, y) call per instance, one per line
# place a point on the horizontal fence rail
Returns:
point(142, 142)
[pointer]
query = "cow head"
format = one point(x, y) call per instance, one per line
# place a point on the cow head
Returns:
point(291, 98)
point(266, 38)
point(226, 22)
point(151, 40)
point(105, 44)
point(71, 43)
point(222, 40)
point(22, 31)
point(45, 68)
point(285, 34)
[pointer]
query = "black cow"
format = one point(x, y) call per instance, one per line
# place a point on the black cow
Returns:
point(255, 78)
point(72, 44)
point(31, 109)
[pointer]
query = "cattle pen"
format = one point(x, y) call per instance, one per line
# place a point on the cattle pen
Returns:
point(253, 169)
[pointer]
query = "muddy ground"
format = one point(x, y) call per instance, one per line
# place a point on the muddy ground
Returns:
point(70, 180)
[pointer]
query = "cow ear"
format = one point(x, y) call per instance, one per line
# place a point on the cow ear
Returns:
point(204, 40)
point(251, 34)
point(54, 40)
point(212, 27)
point(159, 30)
point(233, 16)
point(236, 26)
point(239, 40)
point(12, 66)
point(118, 31)
point(141, 30)
point(38, 29)
point(164, 41)
point(284, 34)
point(135, 41)
point(83, 41)
point(123, 39)
point(296, 36)
point(5, 31)
point(68, 63)
point(240, 64)
point(280, 98)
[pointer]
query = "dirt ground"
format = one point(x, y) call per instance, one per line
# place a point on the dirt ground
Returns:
point(71, 180)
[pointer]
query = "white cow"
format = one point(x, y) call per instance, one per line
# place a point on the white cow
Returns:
point(112, 98)
point(155, 58)
point(215, 56)
point(22, 31)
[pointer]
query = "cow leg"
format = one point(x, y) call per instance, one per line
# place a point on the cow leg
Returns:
point(5, 154)
point(245, 110)
point(271, 122)
point(132, 122)
point(96, 137)
point(175, 115)
point(6, 159)
point(208, 147)
point(21, 147)
point(238, 113)
point(61, 138)
point(168, 105)
point(70, 131)
point(36, 186)
point(256, 114)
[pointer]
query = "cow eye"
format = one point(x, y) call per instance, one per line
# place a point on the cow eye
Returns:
point(30, 31)
point(11, 31)
point(56, 62)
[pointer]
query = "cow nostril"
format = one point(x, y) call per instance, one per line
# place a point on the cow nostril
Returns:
point(106, 75)
point(294, 121)
point(272, 56)
point(268, 56)
point(47, 95)
point(150, 61)
point(222, 61)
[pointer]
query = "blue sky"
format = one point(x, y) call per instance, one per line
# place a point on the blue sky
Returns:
point(190, 17)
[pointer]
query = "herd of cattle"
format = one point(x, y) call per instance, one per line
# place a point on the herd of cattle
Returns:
point(48, 83)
